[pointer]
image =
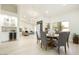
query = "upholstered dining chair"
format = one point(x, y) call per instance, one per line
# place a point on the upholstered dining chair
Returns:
point(44, 40)
point(68, 39)
point(39, 30)
point(62, 40)
point(38, 36)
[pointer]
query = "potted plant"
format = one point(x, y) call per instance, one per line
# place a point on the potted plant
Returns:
point(75, 38)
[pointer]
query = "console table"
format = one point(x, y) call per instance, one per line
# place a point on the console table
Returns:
point(12, 36)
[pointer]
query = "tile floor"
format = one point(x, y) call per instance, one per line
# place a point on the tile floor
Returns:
point(27, 45)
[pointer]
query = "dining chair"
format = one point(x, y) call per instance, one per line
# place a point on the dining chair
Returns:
point(68, 39)
point(39, 30)
point(44, 40)
point(62, 39)
point(38, 36)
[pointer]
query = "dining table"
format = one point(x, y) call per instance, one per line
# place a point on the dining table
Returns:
point(55, 36)
point(52, 38)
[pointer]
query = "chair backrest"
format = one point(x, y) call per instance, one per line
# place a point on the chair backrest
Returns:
point(39, 29)
point(68, 36)
point(41, 25)
point(44, 38)
point(63, 37)
point(38, 35)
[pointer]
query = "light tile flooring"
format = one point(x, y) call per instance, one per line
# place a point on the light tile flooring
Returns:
point(27, 45)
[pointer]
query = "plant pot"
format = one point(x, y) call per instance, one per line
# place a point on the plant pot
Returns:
point(76, 39)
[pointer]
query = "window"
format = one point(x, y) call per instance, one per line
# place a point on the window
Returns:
point(65, 26)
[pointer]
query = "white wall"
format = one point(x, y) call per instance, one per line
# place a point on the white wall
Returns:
point(0, 8)
point(9, 7)
point(55, 13)
point(0, 16)
point(73, 19)
point(4, 36)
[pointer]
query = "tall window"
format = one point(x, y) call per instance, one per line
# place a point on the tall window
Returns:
point(65, 26)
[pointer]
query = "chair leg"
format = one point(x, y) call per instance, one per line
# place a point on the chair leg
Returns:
point(65, 49)
point(37, 41)
point(41, 44)
point(46, 47)
point(58, 50)
point(68, 44)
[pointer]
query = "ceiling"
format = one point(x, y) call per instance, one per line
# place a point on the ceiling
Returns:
point(30, 13)
point(9, 7)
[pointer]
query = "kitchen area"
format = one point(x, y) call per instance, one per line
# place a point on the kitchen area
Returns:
point(8, 22)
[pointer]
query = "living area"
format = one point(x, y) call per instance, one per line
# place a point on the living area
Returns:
point(20, 22)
